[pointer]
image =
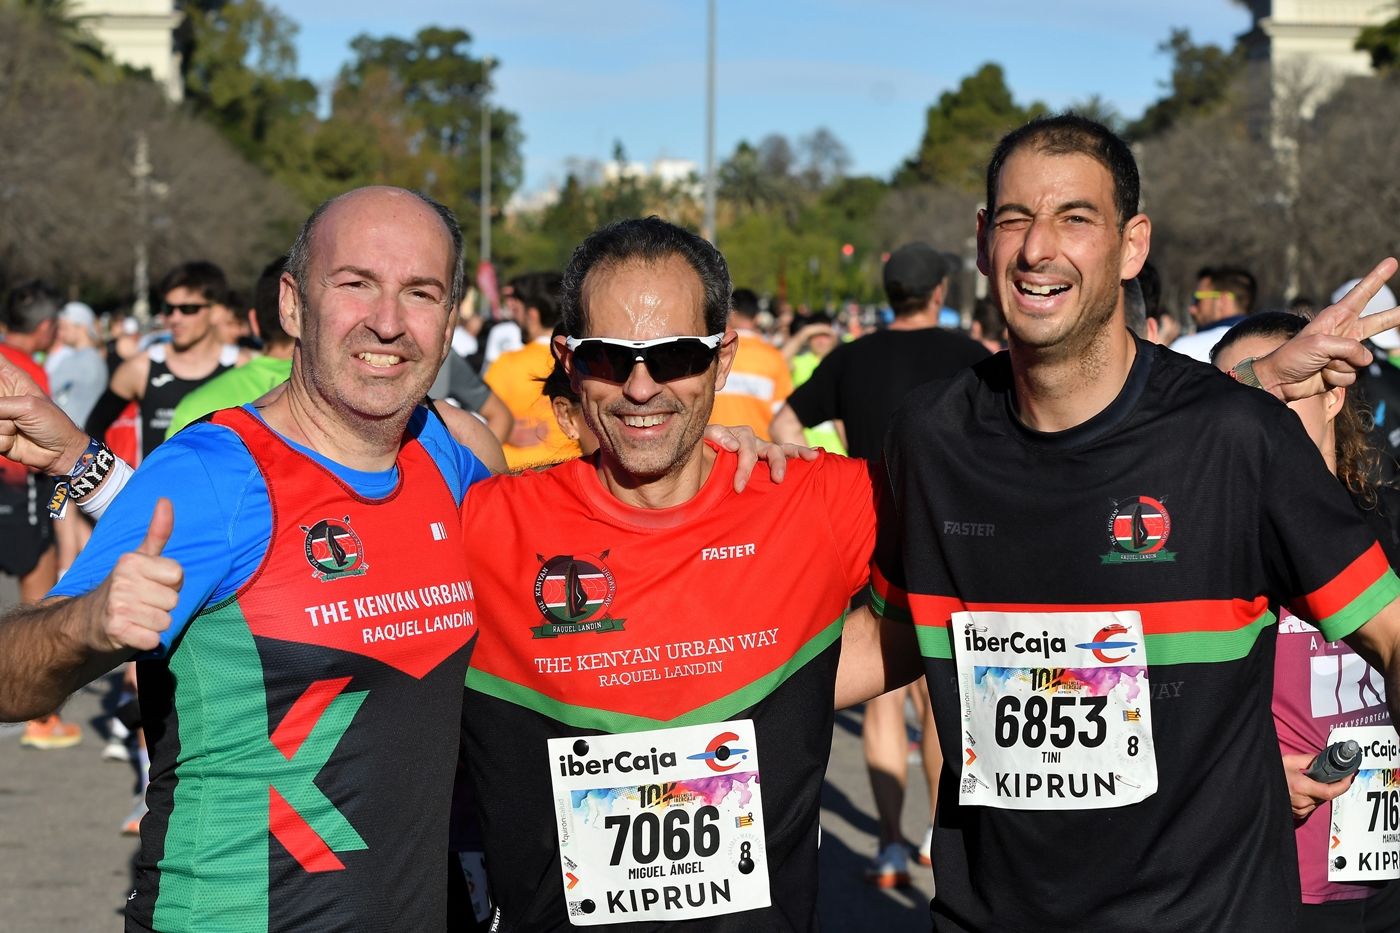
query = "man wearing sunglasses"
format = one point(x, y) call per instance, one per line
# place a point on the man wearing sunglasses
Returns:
point(1223, 297)
point(649, 709)
point(166, 372)
point(310, 614)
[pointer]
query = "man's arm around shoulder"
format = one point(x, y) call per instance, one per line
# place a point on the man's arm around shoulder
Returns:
point(877, 655)
point(50, 650)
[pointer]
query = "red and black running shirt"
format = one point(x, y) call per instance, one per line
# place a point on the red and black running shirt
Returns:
point(771, 569)
point(304, 731)
point(1240, 515)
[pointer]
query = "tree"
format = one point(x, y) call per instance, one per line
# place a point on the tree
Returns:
point(1202, 77)
point(963, 128)
point(69, 194)
point(1383, 43)
point(440, 88)
point(825, 159)
point(1347, 198)
point(1097, 108)
point(239, 68)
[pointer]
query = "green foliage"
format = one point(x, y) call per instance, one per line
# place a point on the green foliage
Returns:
point(962, 128)
point(1383, 44)
point(239, 62)
point(1201, 79)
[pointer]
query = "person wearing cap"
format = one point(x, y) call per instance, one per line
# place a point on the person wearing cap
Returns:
point(1379, 384)
point(1224, 296)
point(862, 384)
point(77, 371)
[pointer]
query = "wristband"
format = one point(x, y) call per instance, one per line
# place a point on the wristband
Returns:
point(87, 474)
point(1243, 373)
point(95, 504)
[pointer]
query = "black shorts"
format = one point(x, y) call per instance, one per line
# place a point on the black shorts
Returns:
point(25, 526)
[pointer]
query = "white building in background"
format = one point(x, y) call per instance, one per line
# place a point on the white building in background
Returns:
point(1312, 42)
point(138, 33)
point(681, 173)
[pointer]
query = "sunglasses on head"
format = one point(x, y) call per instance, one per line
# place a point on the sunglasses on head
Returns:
point(189, 308)
point(665, 358)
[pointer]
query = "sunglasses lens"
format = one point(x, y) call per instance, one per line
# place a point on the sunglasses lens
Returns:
point(665, 361)
point(677, 360)
point(185, 308)
point(603, 360)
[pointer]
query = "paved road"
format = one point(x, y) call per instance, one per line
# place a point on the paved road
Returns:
point(67, 870)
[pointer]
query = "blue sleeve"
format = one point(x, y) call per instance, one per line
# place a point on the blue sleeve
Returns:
point(459, 466)
point(222, 521)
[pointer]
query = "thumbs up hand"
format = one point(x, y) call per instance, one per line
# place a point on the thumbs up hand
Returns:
point(134, 602)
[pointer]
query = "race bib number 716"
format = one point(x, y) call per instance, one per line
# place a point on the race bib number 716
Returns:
point(1056, 710)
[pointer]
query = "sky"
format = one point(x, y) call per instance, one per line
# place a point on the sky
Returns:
point(582, 75)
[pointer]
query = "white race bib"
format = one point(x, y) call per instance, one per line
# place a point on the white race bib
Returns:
point(660, 825)
point(1056, 710)
point(1364, 844)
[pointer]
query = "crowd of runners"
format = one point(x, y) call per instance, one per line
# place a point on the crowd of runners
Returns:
point(434, 621)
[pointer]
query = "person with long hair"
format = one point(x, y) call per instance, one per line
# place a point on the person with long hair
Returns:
point(1306, 709)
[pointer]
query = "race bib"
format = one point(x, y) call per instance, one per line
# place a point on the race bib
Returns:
point(1056, 710)
point(660, 825)
point(1364, 844)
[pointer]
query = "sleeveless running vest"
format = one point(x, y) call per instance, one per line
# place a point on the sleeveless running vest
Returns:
point(305, 730)
point(164, 390)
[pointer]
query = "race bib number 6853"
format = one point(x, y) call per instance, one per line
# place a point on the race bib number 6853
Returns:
point(1056, 710)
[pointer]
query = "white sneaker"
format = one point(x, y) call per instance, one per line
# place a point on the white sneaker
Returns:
point(116, 750)
point(926, 847)
point(889, 868)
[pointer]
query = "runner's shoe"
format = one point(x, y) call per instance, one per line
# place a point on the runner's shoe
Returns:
point(116, 750)
point(889, 868)
point(131, 826)
point(926, 847)
point(51, 732)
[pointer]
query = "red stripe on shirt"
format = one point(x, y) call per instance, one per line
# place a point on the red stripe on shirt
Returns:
point(894, 596)
point(1339, 592)
point(297, 837)
point(1164, 618)
point(305, 713)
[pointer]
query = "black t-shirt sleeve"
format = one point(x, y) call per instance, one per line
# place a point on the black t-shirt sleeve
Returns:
point(818, 399)
point(1317, 548)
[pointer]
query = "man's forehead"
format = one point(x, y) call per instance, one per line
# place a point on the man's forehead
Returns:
point(1031, 174)
point(361, 221)
point(637, 294)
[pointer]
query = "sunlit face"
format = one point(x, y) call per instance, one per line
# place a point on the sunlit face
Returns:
point(1316, 412)
point(186, 330)
point(647, 429)
point(1052, 251)
point(375, 325)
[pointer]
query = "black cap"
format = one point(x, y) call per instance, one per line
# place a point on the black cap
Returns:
point(914, 271)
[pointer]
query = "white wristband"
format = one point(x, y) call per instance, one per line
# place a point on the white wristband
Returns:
point(97, 503)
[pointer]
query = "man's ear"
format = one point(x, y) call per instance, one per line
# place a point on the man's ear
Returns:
point(289, 306)
point(728, 347)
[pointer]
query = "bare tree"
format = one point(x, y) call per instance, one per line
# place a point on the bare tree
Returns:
point(66, 188)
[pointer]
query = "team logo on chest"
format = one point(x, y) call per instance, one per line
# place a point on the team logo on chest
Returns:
point(1138, 528)
point(571, 591)
point(334, 550)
